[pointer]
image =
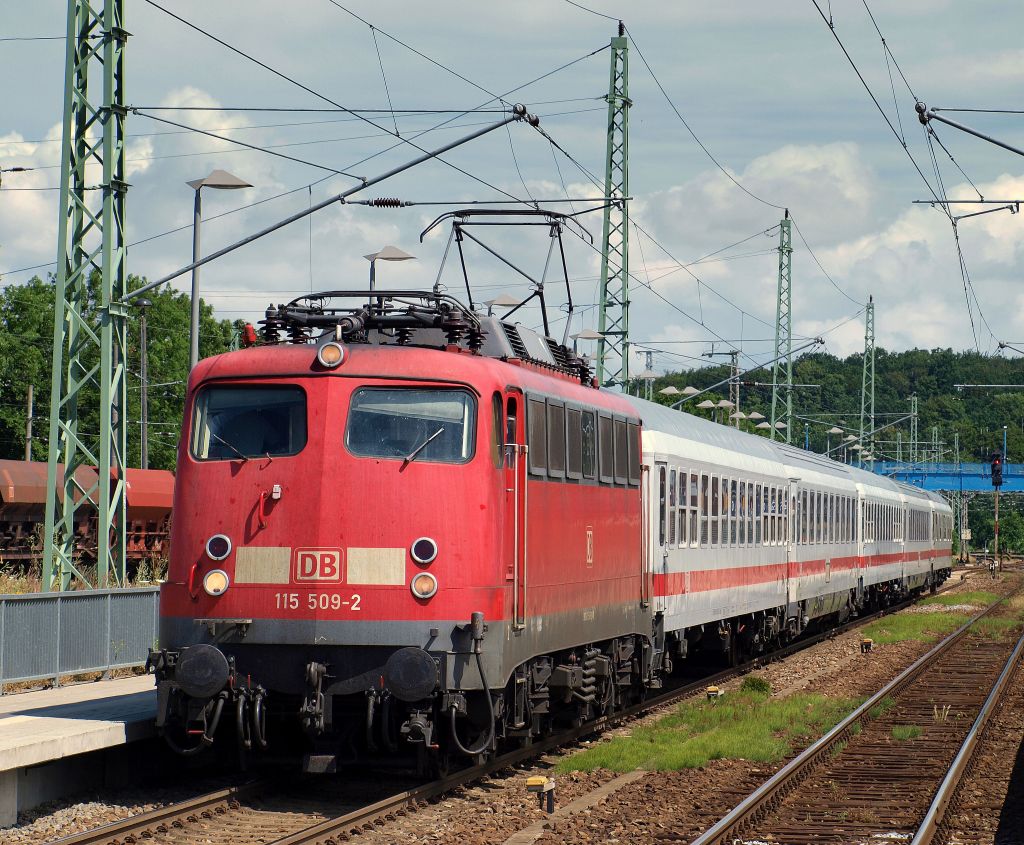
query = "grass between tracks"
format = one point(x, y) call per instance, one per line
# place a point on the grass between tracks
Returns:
point(924, 627)
point(980, 598)
point(747, 724)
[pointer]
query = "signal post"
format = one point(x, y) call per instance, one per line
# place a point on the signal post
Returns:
point(997, 482)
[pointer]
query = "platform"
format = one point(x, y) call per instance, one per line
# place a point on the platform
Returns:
point(52, 739)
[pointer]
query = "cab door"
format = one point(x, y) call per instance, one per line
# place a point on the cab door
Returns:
point(516, 501)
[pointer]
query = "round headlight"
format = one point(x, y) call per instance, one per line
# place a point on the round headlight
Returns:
point(424, 585)
point(424, 550)
point(331, 354)
point(216, 582)
point(218, 547)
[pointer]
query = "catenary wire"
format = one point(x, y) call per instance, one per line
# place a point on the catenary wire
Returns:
point(317, 94)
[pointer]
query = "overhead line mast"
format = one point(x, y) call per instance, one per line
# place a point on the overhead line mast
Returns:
point(89, 325)
point(867, 391)
point(782, 370)
point(613, 317)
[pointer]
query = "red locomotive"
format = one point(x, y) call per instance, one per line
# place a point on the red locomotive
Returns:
point(406, 526)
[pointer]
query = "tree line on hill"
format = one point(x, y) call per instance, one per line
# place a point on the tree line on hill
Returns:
point(977, 415)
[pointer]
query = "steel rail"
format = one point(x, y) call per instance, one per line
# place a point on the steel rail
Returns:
point(774, 790)
point(929, 827)
point(162, 819)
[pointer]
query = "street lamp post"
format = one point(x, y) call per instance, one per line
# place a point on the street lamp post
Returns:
point(387, 253)
point(223, 181)
point(142, 305)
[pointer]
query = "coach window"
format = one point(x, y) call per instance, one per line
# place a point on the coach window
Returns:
point(681, 536)
point(741, 506)
point(621, 452)
point(734, 505)
point(537, 442)
point(705, 495)
point(716, 509)
point(606, 448)
point(633, 449)
point(802, 521)
point(662, 506)
point(695, 506)
point(724, 537)
point(766, 511)
point(831, 518)
point(574, 443)
point(588, 424)
point(773, 516)
point(556, 439)
point(756, 537)
point(751, 514)
point(671, 504)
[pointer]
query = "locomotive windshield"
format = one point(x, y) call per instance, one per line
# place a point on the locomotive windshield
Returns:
point(412, 424)
point(248, 422)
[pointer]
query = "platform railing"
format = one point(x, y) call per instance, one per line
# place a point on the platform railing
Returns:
point(49, 636)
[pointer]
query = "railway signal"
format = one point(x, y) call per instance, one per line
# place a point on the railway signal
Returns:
point(997, 482)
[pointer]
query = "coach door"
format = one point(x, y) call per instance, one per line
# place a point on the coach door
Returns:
point(792, 523)
point(661, 524)
point(516, 475)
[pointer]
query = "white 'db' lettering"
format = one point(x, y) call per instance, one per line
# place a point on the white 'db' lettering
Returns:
point(318, 565)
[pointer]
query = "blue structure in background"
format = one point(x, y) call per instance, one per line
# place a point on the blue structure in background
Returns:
point(949, 477)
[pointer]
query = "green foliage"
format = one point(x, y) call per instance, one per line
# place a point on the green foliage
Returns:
point(924, 627)
point(905, 732)
point(883, 706)
point(746, 725)
point(26, 342)
point(754, 684)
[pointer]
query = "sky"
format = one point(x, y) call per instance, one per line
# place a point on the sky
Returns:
point(777, 118)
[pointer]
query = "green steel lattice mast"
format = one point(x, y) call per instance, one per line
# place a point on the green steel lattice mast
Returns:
point(613, 319)
point(782, 369)
point(867, 384)
point(89, 325)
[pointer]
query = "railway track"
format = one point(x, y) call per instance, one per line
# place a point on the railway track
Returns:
point(325, 812)
point(889, 770)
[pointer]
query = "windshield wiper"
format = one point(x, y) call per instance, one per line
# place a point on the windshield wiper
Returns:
point(415, 452)
point(234, 449)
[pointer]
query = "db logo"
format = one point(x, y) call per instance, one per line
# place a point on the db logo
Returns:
point(318, 564)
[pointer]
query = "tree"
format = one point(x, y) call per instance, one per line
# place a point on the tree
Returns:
point(26, 343)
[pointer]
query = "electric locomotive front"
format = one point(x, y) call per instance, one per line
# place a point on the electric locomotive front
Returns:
point(334, 542)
